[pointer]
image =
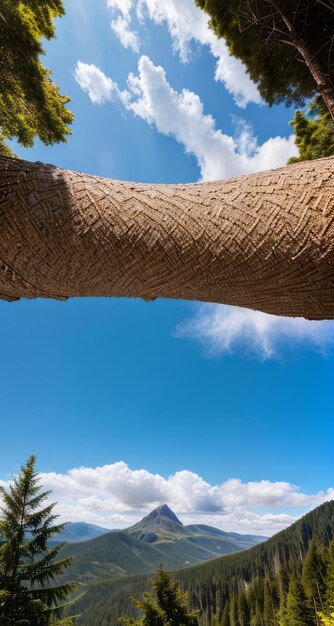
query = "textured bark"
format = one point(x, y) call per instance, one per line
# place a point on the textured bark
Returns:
point(321, 78)
point(264, 241)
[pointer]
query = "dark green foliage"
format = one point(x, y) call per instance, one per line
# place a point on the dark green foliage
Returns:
point(329, 599)
point(167, 607)
point(225, 621)
point(286, 45)
point(297, 611)
point(30, 103)
point(314, 133)
point(270, 603)
point(243, 610)
point(313, 576)
point(28, 566)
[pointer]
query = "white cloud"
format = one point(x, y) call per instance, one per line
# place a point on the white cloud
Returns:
point(116, 496)
point(181, 115)
point(124, 6)
point(92, 80)
point(188, 24)
point(127, 37)
point(224, 329)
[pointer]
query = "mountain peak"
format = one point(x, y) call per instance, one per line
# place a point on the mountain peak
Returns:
point(159, 525)
point(163, 511)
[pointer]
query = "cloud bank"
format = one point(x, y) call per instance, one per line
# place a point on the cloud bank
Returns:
point(116, 496)
point(224, 329)
point(181, 115)
point(187, 25)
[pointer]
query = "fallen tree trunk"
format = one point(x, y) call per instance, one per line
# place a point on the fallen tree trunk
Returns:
point(264, 241)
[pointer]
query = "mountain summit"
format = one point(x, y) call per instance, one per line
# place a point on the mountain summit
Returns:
point(159, 525)
point(161, 512)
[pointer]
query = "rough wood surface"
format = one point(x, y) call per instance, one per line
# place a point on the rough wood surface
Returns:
point(264, 241)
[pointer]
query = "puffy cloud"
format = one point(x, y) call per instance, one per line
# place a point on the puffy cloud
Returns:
point(92, 80)
point(116, 496)
point(224, 329)
point(127, 37)
point(181, 114)
point(188, 24)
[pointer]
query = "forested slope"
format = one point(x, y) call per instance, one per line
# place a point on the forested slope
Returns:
point(232, 589)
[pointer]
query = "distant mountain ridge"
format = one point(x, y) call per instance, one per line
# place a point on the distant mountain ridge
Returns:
point(159, 538)
point(160, 525)
point(80, 531)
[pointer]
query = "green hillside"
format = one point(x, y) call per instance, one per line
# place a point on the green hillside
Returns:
point(158, 539)
point(114, 554)
point(221, 582)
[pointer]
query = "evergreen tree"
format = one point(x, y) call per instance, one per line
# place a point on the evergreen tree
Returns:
point(269, 597)
point(329, 598)
point(297, 612)
point(313, 577)
point(226, 616)
point(314, 132)
point(286, 45)
point(167, 607)
point(30, 103)
point(28, 566)
point(243, 610)
point(257, 619)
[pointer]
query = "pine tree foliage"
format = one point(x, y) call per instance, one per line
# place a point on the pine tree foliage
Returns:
point(286, 45)
point(297, 612)
point(313, 576)
point(29, 568)
point(30, 103)
point(314, 132)
point(329, 597)
point(167, 607)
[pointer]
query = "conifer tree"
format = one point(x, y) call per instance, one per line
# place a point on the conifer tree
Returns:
point(234, 613)
point(226, 616)
point(167, 607)
point(243, 610)
point(329, 597)
point(314, 132)
point(28, 565)
point(257, 618)
point(313, 577)
point(30, 103)
point(297, 612)
point(269, 598)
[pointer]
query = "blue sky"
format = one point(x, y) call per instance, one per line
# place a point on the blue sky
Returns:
point(193, 396)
